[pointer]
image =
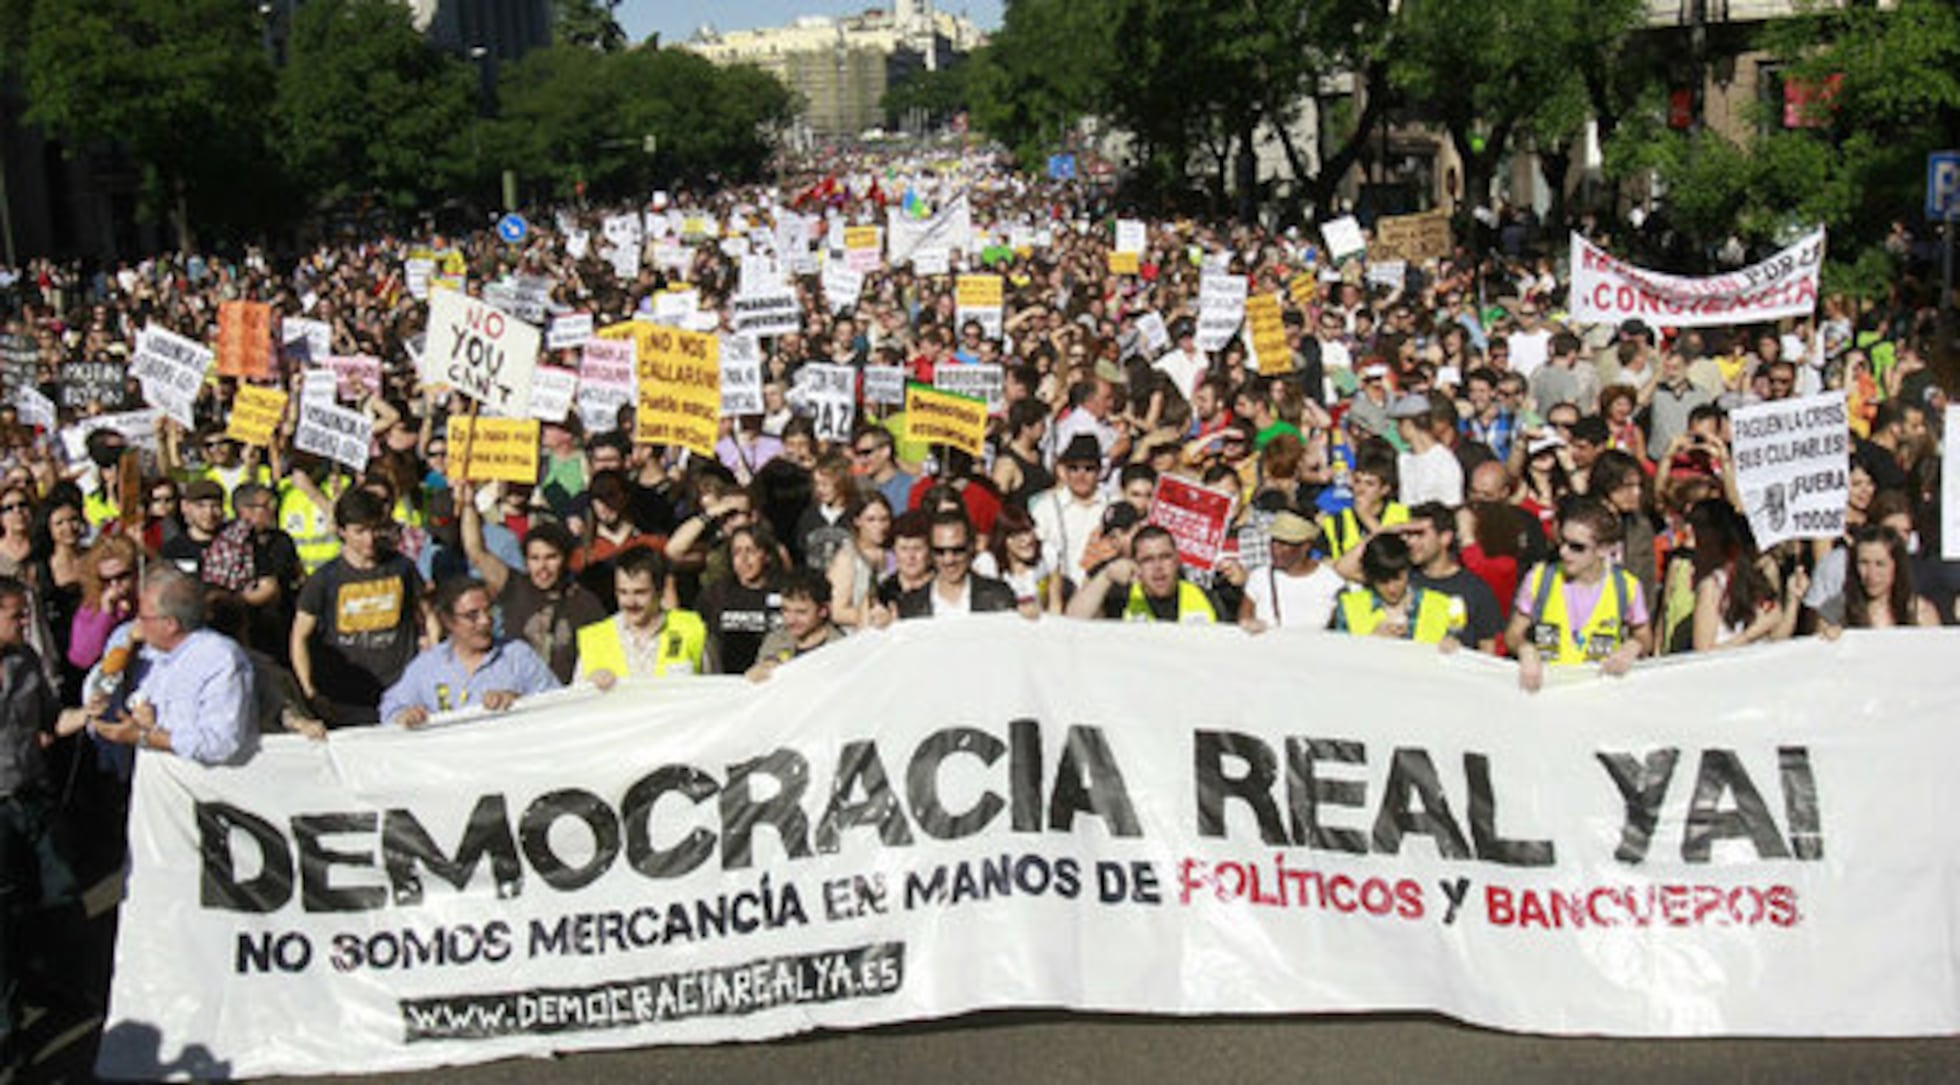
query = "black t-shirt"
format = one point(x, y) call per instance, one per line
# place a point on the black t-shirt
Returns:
point(366, 635)
point(1484, 619)
point(274, 555)
point(186, 553)
point(549, 621)
point(739, 617)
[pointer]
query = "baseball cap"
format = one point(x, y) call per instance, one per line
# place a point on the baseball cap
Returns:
point(203, 489)
point(1411, 405)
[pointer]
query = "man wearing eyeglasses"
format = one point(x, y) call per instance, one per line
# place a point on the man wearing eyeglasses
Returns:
point(1585, 580)
point(195, 696)
point(954, 588)
point(470, 669)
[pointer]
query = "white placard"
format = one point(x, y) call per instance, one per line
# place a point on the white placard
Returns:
point(416, 273)
point(1388, 273)
point(1221, 309)
point(934, 261)
point(139, 427)
point(775, 312)
point(551, 393)
point(828, 394)
point(482, 352)
point(568, 331)
point(1131, 236)
point(1343, 238)
point(1949, 486)
point(305, 339)
point(171, 369)
point(1792, 467)
point(741, 375)
point(987, 382)
point(339, 434)
point(607, 381)
point(34, 409)
point(1155, 335)
point(319, 386)
point(675, 306)
point(841, 286)
point(884, 384)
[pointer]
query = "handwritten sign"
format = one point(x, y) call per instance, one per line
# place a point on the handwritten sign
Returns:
point(741, 375)
point(606, 382)
point(306, 340)
point(355, 375)
point(828, 393)
point(1195, 516)
point(255, 414)
point(1131, 235)
point(1221, 308)
point(862, 249)
point(979, 298)
point(841, 286)
point(1412, 238)
point(942, 418)
point(245, 339)
point(481, 352)
point(768, 313)
point(551, 393)
point(1792, 466)
point(680, 389)
point(568, 331)
point(1268, 335)
point(986, 383)
point(81, 383)
point(1125, 263)
point(171, 370)
point(1343, 238)
point(884, 384)
point(335, 432)
point(493, 449)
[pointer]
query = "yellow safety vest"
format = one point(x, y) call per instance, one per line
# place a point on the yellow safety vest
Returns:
point(1343, 530)
point(260, 474)
point(1604, 630)
point(1362, 612)
point(683, 639)
point(1192, 606)
point(310, 526)
point(98, 509)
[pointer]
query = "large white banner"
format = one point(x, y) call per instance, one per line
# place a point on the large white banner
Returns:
point(951, 227)
point(1793, 467)
point(937, 819)
point(1608, 290)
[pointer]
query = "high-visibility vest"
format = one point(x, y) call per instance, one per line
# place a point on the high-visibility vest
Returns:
point(1605, 629)
point(1362, 612)
point(230, 480)
point(98, 508)
point(1343, 530)
point(1192, 606)
point(310, 526)
point(683, 639)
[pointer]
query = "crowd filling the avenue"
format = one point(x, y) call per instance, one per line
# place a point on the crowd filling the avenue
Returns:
point(322, 532)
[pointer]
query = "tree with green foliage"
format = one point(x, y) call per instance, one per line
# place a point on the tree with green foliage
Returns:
point(367, 108)
point(588, 24)
point(1047, 67)
point(182, 85)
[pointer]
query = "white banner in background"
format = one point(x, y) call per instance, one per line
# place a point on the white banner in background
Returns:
point(1747, 843)
point(1608, 290)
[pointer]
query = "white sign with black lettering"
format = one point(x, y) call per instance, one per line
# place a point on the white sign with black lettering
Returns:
point(171, 369)
point(551, 393)
point(767, 313)
point(1792, 466)
point(884, 384)
point(1131, 235)
point(335, 432)
point(841, 286)
point(305, 339)
point(416, 273)
point(482, 352)
point(1155, 335)
point(987, 382)
point(932, 262)
point(1343, 237)
point(33, 408)
point(741, 375)
point(1221, 309)
point(568, 331)
point(828, 394)
point(675, 306)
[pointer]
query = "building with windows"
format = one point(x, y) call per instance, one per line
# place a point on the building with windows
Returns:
point(841, 67)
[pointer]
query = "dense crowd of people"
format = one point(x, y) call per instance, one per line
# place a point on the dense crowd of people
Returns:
point(1441, 457)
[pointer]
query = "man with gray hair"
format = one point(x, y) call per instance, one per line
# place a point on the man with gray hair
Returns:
point(194, 696)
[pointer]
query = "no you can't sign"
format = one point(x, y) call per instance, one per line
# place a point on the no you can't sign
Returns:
point(481, 351)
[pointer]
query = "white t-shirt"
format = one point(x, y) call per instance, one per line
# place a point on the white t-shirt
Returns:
point(1434, 475)
point(1183, 370)
point(944, 608)
point(1294, 602)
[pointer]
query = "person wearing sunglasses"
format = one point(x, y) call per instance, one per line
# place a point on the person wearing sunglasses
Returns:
point(16, 529)
point(955, 588)
point(1546, 623)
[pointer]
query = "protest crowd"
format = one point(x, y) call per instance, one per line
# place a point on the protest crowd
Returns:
point(398, 478)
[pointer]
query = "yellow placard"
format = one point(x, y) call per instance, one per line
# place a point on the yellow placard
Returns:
point(942, 418)
point(493, 449)
point(1268, 328)
point(680, 388)
point(455, 264)
point(1125, 263)
point(860, 237)
point(1302, 289)
point(255, 414)
point(978, 291)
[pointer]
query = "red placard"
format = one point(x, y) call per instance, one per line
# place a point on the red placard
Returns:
point(1195, 516)
point(245, 340)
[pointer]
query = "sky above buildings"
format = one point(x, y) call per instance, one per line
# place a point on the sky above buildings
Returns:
point(676, 20)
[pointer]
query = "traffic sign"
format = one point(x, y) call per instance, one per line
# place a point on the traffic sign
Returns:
point(1943, 185)
point(512, 228)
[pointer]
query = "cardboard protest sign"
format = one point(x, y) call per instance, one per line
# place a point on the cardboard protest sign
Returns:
point(675, 306)
point(355, 375)
point(1412, 238)
point(980, 299)
point(606, 382)
point(932, 261)
point(861, 249)
point(841, 286)
point(984, 382)
point(942, 418)
point(828, 394)
point(481, 352)
point(171, 370)
point(1343, 237)
point(1267, 335)
point(1131, 235)
point(33, 408)
point(1155, 335)
point(493, 449)
point(680, 389)
point(245, 340)
point(305, 339)
point(884, 384)
point(551, 393)
point(1221, 308)
point(1195, 516)
point(766, 314)
point(138, 426)
point(341, 435)
point(1792, 464)
point(741, 375)
point(568, 331)
point(416, 273)
point(80, 383)
point(255, 415)
point(1125, 263)
point(1608, 290)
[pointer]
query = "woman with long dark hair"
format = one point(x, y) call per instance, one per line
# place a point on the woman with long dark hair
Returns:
point(1878, 594)
point(1735, 603)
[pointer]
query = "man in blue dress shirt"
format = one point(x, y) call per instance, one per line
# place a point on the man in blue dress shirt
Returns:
point(471, 668)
